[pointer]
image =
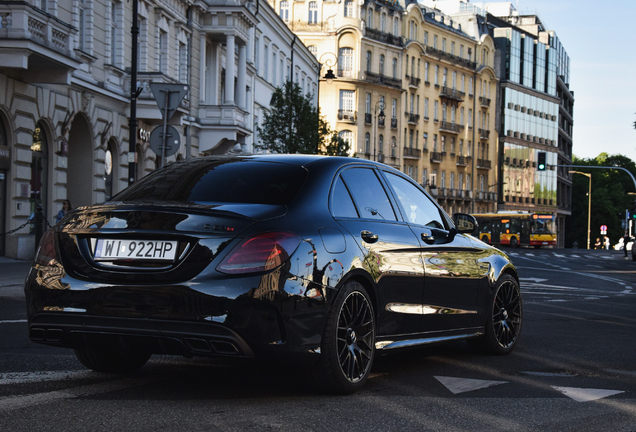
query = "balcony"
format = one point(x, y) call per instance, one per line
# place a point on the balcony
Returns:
point(484, 101)
point(381, 121)
point(484, 134)
point(394, 123)
point(414, 119)
point(484, 164)
point(436, 157)
point(383, 37)
point(413, 81)
point(35, 45)
point(347, 116)
point(375, 78)
point(486, 196)
point(451, 58)
point(367, 118)
point(449, 127)
point(412, 153)
point(461, 161)
point(451, 94)
point(380, 157)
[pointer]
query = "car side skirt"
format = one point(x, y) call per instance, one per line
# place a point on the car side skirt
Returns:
point(386, 345)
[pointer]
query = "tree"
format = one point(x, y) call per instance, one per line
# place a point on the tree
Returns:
point(292, 125)
point(610, 198)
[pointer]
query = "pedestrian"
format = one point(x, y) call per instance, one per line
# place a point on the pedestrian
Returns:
point(626, 239)
point(606, 242)
point(597, 245)
point(66, 207)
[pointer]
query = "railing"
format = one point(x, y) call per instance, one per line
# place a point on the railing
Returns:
point(436, 157)
point(393, 123)
point(452, 58)
point(413, 81)
point(375, 78)
point(449, 127)
point(484, 133)
point(484, 163)
point(485, 102)
point(348, 116)
point(412, 153)
point(413, 118)
point(381, 121)
point(367, 118)
point(461, 161)
point(382, 36)
point(450, 93)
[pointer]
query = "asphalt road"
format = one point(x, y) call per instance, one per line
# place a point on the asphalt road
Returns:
point(573, 370)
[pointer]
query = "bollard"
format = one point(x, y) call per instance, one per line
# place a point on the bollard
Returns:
point(39, 225)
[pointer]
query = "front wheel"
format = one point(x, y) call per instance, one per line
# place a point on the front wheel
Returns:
point(503, 323)
point(348, 343)
point(513, 242)
point(111, 361)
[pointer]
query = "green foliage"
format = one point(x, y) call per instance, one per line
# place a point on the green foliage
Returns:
point(610, 199)
point(292, 125)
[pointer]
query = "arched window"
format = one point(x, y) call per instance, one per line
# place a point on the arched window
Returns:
point(284, 10)
point(369, 18)
point(313, 13)
point(347, 136)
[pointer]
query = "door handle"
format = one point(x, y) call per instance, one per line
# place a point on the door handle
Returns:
point(369, 237)
point(428, 238)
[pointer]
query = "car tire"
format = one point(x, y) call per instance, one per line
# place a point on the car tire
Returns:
point(348, 342)
point(513, 242)
point(504, 320)
point(111, 361)
point(485, 239)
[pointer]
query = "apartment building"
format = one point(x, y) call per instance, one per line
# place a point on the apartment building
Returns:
point(409, 88)
point(65, 105)
point(534, 110)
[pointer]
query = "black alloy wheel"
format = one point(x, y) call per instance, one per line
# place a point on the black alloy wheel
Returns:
point(348, 345)
point(503, 324)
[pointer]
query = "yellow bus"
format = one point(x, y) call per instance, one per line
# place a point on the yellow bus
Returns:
point(517, 229)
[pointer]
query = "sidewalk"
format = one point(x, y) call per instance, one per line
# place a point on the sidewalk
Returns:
point(12, 275)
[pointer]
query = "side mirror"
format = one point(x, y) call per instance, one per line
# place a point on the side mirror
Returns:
point(465, 223)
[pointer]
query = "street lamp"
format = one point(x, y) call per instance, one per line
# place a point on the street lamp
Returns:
point(589, 203)
point(379, 117)
point(330, 61)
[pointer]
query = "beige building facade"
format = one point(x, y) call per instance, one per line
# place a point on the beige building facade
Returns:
point(409, 89)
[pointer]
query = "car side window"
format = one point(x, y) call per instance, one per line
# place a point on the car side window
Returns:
point(368, 194)
point(417, 207)
point(341, 202)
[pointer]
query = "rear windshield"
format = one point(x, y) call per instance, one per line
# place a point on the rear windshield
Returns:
point(220, 181)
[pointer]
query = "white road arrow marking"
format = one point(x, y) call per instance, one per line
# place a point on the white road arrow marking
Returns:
point(586, 395)
point(462, 385)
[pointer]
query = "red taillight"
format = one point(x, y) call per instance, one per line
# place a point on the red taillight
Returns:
point(46, 248)
point(261, 253)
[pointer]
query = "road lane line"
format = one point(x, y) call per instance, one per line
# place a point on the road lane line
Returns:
point(13, 321)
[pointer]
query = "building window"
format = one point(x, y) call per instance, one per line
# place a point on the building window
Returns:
point(470, 86)
point(183, 63)
point(453, 48)
point(369, 61)
point(393, 108)
point(435, 108)
point(396, 27)
point(348, 8)
point(115, 29)
point(284, 10)
point(369, 17)
point(425, 38)
point(436, 75)
point(257, 53)
point(39, 169)
point(347, 136)
point(345, 62)
point(163, 51)
point(394, 67)
point(266, 63)
point(313, 12)
point(426, 68)
point(367, 108)
point(381, 64)
point(367, 143)
point(313, 49)
point(426, 108)
point(444, 44)
point(347, 100)
point(383, 22)
point(435, 41)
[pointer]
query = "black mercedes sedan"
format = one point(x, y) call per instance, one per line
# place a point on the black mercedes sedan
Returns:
point(325, 260)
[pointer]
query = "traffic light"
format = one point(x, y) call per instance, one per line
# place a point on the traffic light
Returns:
point(541, 165)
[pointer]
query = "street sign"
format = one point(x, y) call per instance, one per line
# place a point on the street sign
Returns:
point(172, 141)
point(603, 229)
point(168, 97)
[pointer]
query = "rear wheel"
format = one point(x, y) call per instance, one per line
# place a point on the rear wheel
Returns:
point(485, 239)
point(111, 361)
point(348, 343)
point(514, 242)
point(503, 324)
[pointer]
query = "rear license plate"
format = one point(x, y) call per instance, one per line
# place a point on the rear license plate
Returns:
point(135, 250)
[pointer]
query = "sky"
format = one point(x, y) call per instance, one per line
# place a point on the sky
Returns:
point(600, 38)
